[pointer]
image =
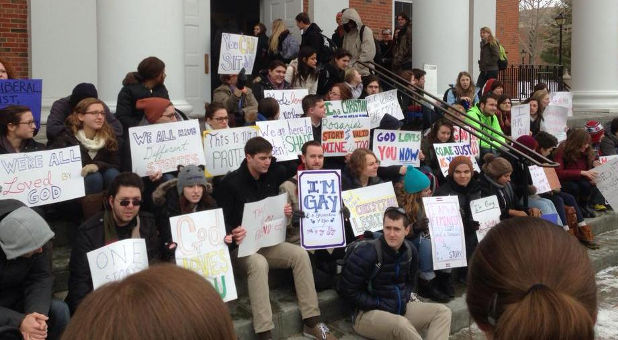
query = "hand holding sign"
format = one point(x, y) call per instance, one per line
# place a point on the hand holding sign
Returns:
point(265, 223)
point(448, 248)
point(117, 260)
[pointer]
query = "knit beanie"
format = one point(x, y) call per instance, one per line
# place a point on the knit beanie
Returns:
point(153, 107)
point(189, 176)
point(495, 166)
point(595, 129)
point(528, 141)
point(23, 231)
point(415, 181)
point(82, 91)
point(455, 162)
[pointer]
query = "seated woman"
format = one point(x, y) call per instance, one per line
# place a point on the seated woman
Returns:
point(354, 81)
point(535, 117)
point(237, 98)
point(441, 132)
point(272, 79)
point(301, 73)
point(333, 72)
point(17, 127)
point(504, 114)
point(216, 117)
point(464, 92)
point(339, 91)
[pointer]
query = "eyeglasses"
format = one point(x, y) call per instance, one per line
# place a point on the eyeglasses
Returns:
point(169, 116)
point(95, 113)
point(220, 119)
point(125, 203)
point(30, 122)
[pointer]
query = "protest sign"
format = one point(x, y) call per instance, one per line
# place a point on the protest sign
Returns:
point(448, 247)
point(367, 206)
point(552, 178)
point(397, 147)
point(564, 99)
point(26, 92)
point(319, 197)
point(224, 149)
point(265, 223)
point(117, 260)
point(290, 101)
point(431, 79)
point(237, 51)
point(462, 136)
point(555, 121)
point(42, 177)
point(351, 108)
point(607, 181)
point(287, 136)
point(520, 121)
point(605, 159)
point(539, 179)
point(447, 151)
point(341, 136)
point(382, 103)
point(200, 247)
point(165, 146)
point(486, 211)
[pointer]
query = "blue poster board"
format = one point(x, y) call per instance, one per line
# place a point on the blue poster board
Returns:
point(26, 92)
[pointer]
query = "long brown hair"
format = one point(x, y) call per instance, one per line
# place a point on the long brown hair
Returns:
point(491, 39)
point(106, 132)
point(358, 160)
point(433, 133)
point(162, 302)
point(459, 91)
point(344, 90)
point(528, 279)
point(411, 203)
point(573, 144)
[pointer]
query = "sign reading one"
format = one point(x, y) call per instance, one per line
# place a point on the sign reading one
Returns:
point(447, 151)
point(290, 101)
point(237, 51)
point(341, 136)
point(486, 211)
point(224, 149)
point(382, 103)
point(287, 136)
point(367, 206)
point(265, 222)
point(448, 247)
point(117, 260)
point(397, 147)
point(25, 92)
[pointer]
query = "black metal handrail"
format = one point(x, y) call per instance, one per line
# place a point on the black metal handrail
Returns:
point(418, 94)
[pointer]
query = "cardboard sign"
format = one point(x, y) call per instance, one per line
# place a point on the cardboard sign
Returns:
point(117, 260)
point(564, 99)
point(265, 223)
point(607, 181)
point(539, 179)
point(42, 177)
point(200, 247)
point(382, 103)
point(397, 147)
point(165, 146)
point(520, 121)
point(367, 206)
point(486, 211)
point(224, 149)
point(237, 51)
point(555, 121)
point(287, 136)
point(431, 79)
point(290, 101)
point(448, 245)
point(341, 136)
point(26, 92)
point(351, 108)
point(447, 151)
point(552, 178)
point(462, 136)
point(605, 159)
point(319, 197)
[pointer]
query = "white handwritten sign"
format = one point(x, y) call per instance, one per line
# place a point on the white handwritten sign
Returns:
point(520, 121)
point(397, 147)
point(607, 181)
point(290, 101)
point(287, 136)
point(237, 51)
point(462, 136)
point(367, 206)
point(351, 108)
point(341, 136)
point(319, 197)
point(200, 247)
point(555, 121)
point(117, 260)
point(165, 146)
point(447, 151)
point(382, 103)
point(539, 179)
point(42, 177)
point(486, 211)
point(224, 149)
point(564, 99)
point(605, 159)
point(265, 223)
point(431, 79)
point(448, 247)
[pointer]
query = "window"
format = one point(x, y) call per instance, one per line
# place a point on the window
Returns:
point(399, 6)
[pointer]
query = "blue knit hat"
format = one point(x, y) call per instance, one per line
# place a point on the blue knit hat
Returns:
point(415, 181)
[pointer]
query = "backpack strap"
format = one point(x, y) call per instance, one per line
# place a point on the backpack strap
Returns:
point(362, 30)
point(378, 266)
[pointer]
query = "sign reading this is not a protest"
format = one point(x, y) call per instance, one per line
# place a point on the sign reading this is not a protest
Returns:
point(224, 149)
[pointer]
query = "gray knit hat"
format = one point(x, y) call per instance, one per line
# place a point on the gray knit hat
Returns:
point(189, 176)
point(23, 231)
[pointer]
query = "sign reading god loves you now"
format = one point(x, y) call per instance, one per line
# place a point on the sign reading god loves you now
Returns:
point(224, 149)
point(607, 181)
point(382, 103)
point(117, 260)
point(520, 120)
point(42, 177)
point(367, 206)
point(448, 247)
point(165, 146)
point(26, 92)
point(351, 108)
point(265, 222)
point(447, 151)
point(287, 136)
point(341, 136)
point(319, 197)
point(486, 211)
point(237, 51)
point(462, 136)
point(397, 147)
point(290, 101)
point(200, 247)
point(555, 121)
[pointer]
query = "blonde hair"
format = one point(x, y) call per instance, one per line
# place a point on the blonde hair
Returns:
point(491, 40)
point(278, 28)
point(106, 132)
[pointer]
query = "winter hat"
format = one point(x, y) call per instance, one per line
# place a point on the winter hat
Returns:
point(389, 122)
point(415, 181)
point(153, 107)
point(455, 162)
point(528, 141)
point(22, 231)
point(496, 166)
point(189, 176)
point(595, 129)
point(82, 91)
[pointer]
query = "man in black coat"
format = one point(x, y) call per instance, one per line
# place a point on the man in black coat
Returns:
point(312, 36)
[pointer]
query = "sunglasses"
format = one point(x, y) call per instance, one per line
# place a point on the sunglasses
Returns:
point(126, 202)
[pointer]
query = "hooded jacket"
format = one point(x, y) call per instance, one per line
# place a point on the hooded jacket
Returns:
point(402, 51)
point(362, 48)
point(236, 102)
point(28, 145)
point(506, 196)
point(312, 36)
point(126, 112)
point(491, 121)
point(490, 53)
point(609, 145)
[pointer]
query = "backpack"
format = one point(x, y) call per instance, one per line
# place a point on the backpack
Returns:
point(378, 57)
point(450, 87)
point(503, 61)
point(327, 50)
point(351, 248)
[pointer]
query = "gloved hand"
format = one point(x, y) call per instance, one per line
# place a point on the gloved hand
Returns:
point(420, 225)
point(88, 168)
point(471, 226)
point(242, 79)
point(296, 216)
point(346, 212)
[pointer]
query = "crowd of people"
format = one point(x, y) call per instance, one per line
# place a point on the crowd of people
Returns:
point(120, 204)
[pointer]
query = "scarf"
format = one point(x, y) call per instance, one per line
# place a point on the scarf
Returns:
point(92, 145)
point(109, 226)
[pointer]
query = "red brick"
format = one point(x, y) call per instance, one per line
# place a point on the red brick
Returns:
point(14, 32)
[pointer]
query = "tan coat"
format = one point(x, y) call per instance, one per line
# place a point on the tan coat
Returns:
point(223, 94)
point(362, 48)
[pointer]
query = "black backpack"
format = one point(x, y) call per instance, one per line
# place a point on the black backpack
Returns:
point(351, 248)
point(450, 87)
point(327, 50)
point(378, 57)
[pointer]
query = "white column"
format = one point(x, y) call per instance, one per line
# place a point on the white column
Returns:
point(129, 31)
point(594, 47)
point(482, 14)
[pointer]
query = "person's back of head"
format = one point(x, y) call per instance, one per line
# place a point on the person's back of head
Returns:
point(257, 145)
point(528, 279)
point(269, 108)
point(148, 69)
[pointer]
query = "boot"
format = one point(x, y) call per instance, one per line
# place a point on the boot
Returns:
point(91, 204)
point(429, 290)
point(444, 283)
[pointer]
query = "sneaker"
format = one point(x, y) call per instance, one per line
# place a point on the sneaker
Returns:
point(320, 332)
point(599, 207)
point(590, 244)
point(429, 290)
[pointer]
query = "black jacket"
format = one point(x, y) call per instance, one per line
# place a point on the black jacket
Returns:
point(312, 36)
point(261, 56)
point(329, 75)
point(262, 83)
point(30, 145)
point(609, 144)
point(126, 112)
point(505, 193)
point(104, 159)
point(465, 195)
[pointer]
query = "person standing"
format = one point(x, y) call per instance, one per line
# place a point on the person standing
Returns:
point(362, 48)
point(488, 62)
point(312, 36)
point(402, 51)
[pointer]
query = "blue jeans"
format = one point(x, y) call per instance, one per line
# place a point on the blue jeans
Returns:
point(99, 181)
point(423, 247)
point(58, 319)
point(546, 206)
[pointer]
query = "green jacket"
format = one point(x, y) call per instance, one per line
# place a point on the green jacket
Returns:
point(492, 121)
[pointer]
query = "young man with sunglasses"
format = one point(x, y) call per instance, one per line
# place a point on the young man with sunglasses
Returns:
point(387, 308)
point(120, 220)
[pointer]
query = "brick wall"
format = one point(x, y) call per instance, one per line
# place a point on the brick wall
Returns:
point(376, 14)
point(14, 35)
point(507, 28)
